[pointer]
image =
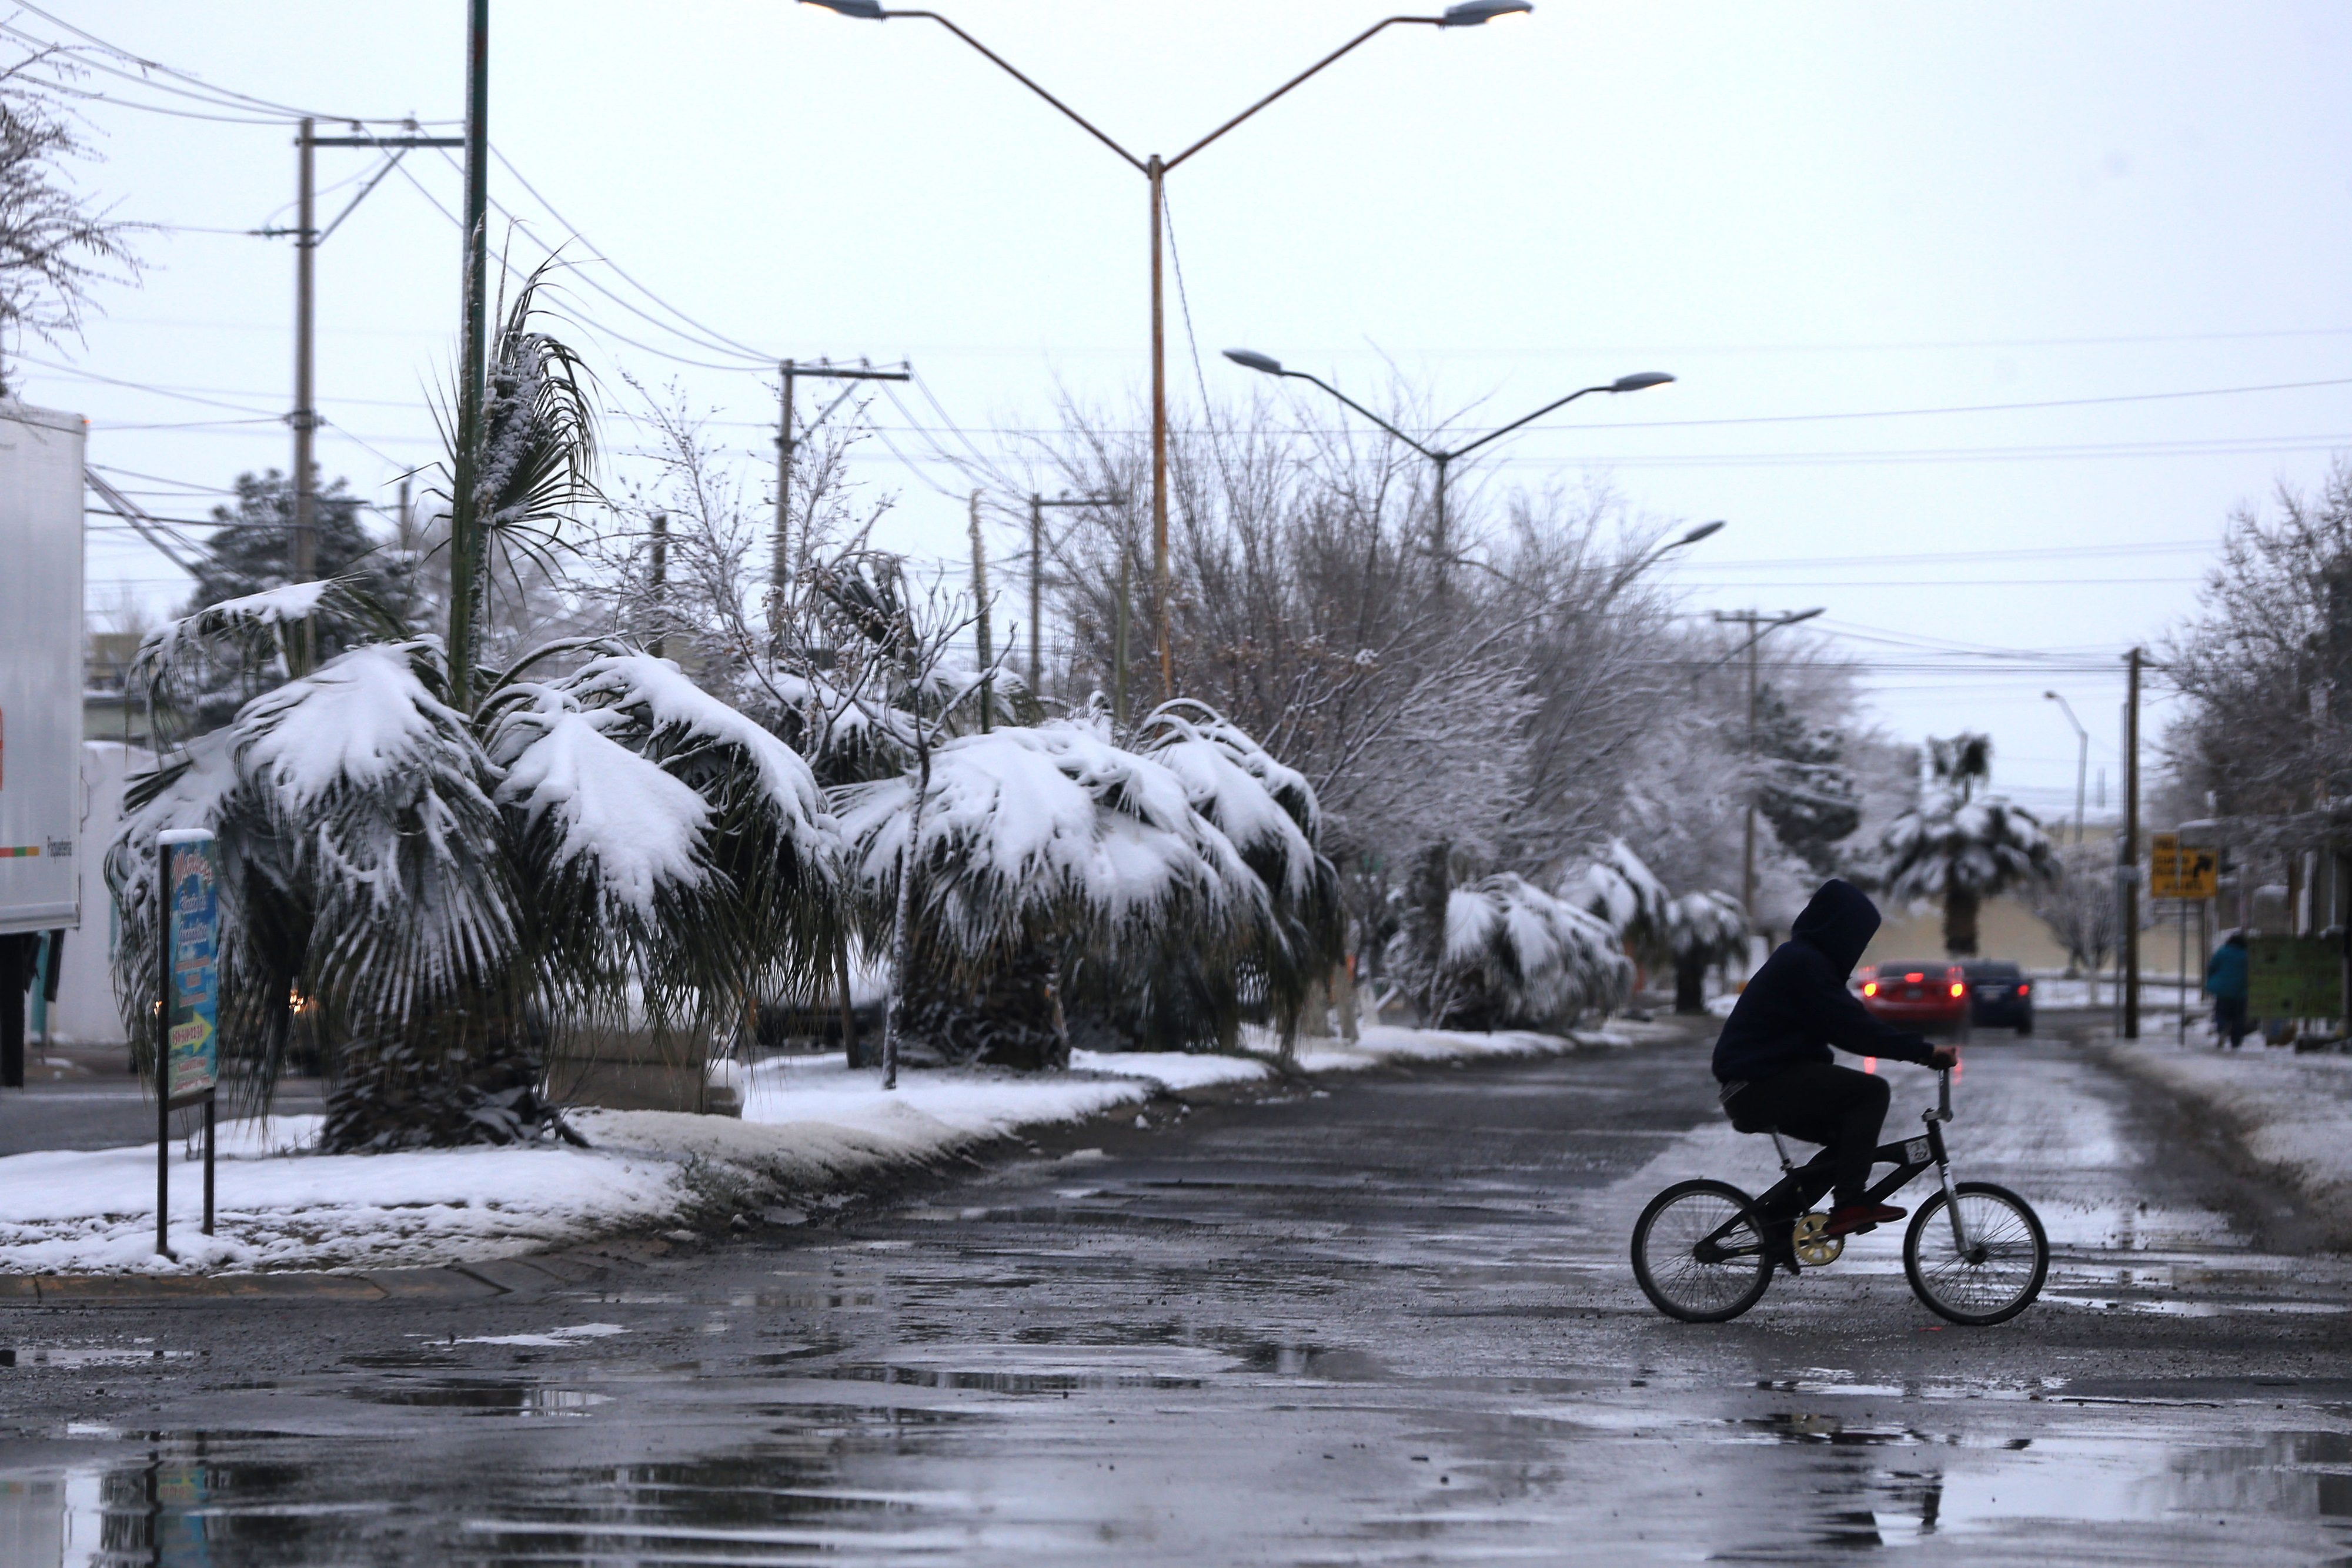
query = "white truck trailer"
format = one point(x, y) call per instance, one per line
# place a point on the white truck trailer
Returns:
point(40, 698)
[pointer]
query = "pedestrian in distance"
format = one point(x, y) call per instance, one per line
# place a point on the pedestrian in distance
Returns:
point(2225, 982)
point(1774, 1063)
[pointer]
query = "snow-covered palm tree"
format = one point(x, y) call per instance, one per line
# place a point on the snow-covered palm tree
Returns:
point(1518, 957)
point(1051, 853)
point(444, 895)
point(1496, 951)
point(1701, 929)
point(446, 879)
point(1964, 850)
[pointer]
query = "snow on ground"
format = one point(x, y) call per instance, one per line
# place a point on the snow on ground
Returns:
point(2292, 1114)
point(71, 1211)
point(810, 1128)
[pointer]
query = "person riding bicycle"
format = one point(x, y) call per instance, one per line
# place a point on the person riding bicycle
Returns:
point(1776, 1071)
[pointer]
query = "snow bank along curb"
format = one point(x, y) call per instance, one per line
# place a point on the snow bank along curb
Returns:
point(813, 1131)
point(2290, 1115)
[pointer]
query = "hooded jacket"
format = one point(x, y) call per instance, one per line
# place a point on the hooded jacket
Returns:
point(1797, 1006)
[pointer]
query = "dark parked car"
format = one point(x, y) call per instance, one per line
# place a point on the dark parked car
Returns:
point(2000, 996)
point(1931, 998)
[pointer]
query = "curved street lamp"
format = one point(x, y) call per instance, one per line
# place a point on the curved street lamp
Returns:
point(1266, 364)
point(1155, 169)
point(2082, 759)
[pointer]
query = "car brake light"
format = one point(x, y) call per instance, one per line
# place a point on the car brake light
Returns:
point(1957, 990)
point(2025, 990)
point(1914, 977)
point(1870, 988)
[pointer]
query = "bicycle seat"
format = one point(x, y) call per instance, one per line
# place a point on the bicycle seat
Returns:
point(1740, 1123)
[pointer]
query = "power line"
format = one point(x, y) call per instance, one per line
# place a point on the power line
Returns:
point(204, 89)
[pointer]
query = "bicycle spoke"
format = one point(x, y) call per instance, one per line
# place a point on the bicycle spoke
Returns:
point(1674, 1238)
point(1998, 1266)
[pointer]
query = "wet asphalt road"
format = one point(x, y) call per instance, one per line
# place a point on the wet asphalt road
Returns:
point(1388, 1323)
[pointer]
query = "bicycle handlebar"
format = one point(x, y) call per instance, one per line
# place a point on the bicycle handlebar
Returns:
point(1944, 1095)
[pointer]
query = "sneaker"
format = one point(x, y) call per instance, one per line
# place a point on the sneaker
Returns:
point(1856, 1218)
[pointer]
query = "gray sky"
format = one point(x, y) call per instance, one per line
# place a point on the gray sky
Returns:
point(1826, 209)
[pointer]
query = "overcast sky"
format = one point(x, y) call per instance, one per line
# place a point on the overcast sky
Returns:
point(1839, 210)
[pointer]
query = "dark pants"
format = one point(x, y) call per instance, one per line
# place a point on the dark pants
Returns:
point(2229, 1019)
point(1821, 1102)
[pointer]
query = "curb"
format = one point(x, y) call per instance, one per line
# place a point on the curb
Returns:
point(453, 1282)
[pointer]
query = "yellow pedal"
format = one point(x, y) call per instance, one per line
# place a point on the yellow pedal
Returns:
point(1812, 1248)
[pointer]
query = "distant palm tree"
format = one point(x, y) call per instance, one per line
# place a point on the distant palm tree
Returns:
point(1700, 929)
point(1964, 850)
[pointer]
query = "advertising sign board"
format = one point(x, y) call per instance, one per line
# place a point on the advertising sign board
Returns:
point(2294, 977)
point(2179, 871)
point(191, 871)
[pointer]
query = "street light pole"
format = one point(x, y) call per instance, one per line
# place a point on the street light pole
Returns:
point(2082, 760)
point(1266, 364)
point(1155, 171)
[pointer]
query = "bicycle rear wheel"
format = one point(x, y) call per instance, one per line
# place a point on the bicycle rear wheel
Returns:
point(2002, 1270)
point(1698, 1254)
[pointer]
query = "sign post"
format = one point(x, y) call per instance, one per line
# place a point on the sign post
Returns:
point(188, 1056)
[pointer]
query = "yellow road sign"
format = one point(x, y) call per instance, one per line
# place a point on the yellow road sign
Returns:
point(2179, 871)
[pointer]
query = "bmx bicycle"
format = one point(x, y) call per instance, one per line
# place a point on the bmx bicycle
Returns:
point(1703, 1251)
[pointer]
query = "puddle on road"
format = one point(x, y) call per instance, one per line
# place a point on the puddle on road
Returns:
point(190, 1499)
point(483, 1398)
point(1888, 1483)
point(91, 1355)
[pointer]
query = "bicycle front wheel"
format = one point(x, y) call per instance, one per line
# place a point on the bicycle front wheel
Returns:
point(2001, 1270)
point(1697, 1252)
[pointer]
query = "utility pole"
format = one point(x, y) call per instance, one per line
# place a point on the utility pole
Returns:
point(779, 566)
point(305, 418)
point(303, 557)
point(2127, 850)
point(980, 625)
point(464, 519)
point(1758, 624)
point(1037, 505)
point(1155, 172)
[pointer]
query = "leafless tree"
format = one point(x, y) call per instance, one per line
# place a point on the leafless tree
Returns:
point(2265, 664)
point(55, 246)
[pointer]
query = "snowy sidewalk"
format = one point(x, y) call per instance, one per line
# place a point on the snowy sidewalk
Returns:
point(2292, 1115)
point(813, 1131)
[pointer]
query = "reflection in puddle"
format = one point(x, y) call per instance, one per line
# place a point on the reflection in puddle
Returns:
point(182, 1504)
point(485, 1399)
point(1948, 1483)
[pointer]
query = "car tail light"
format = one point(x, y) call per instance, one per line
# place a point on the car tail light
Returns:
point(1870, 988)
point(1914, 977)
point(1959, 990)
point(2025, 990)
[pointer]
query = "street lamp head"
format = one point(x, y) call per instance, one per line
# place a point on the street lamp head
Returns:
point(1639, 380)
point(2050, 696)
point(1802, 615)
point(864, 10)
point(1251, 360)
point(1700, 532)
point(1476, 13)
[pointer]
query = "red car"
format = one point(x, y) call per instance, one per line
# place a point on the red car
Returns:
point(1932, 999)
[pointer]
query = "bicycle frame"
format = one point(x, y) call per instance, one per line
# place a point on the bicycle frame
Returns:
point(1909, 1156)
